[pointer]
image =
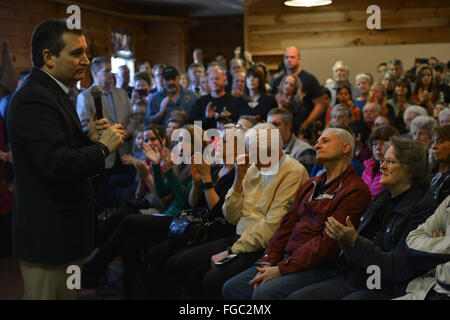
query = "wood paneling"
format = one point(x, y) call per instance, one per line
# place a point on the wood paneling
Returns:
point(270, 27)
point(160, 42)
point(216, 35)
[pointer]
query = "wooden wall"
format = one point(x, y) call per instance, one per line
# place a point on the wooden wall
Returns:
point(270, 27)
point(158, 40)
point(216, 35)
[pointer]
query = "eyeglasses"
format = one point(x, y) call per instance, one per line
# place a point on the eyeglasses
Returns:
point(389, 162)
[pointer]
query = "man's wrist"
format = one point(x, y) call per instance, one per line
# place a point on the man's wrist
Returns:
point(103, 148)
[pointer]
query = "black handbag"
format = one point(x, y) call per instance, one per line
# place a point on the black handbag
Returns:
point(191, 227)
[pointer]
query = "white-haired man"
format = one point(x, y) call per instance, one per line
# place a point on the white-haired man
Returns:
point(256, 203)
point(341, 73)
point(300, 253)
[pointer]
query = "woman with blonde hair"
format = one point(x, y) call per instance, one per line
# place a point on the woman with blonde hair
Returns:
point(290, 96)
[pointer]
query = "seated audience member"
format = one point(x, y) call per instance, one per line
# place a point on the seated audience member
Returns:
point(425, 92)
point(224, 118)
point(290, 96)
point(157, 71)
point(401, 99)
point(440, 154)
point(377, 93)
point(370, 112)
point(340, 113)
point(256, 203)
point(261, 67)
point(361, 133)
point(237, 86)
point(184, 80)
point(408, 116)
point(196, 71)
point(123, 79)
point(300, 253)
point(363, 82)
point(142, 86)
point(139, 112)
point(172, 100)
point(208, 108)
point(444, 117)
point(440, 69)
point(326, 96)
point(247, 122)
point(137, 231)
point(437, 109)
point(388, 81)
point(173, 124)
point(429, 248)
point(381, 120)
point(379, 141)
point(422, 128)
point(318, 169)
point(381, 236)
point(344, 96)
point(255, 101)
point(301, 151)
point(209, 188)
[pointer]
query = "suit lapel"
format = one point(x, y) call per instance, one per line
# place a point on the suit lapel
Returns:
point(63, 98)
point(116, 98)
point(69, 107)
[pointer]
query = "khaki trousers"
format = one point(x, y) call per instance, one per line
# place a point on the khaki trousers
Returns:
point(48, 282)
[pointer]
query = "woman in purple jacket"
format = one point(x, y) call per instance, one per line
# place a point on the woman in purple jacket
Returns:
point(379, 142)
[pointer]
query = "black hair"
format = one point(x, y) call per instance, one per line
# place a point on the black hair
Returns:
point(49, 35)
point(326, 91)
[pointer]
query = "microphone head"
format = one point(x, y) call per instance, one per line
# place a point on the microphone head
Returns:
point(96, 92)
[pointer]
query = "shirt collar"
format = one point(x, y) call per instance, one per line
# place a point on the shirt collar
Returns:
point(62, 85)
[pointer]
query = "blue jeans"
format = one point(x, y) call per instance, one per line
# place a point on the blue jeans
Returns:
point(237, 288)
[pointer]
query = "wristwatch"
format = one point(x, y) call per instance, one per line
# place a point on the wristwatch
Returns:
point(103, 148)
point(208, 185)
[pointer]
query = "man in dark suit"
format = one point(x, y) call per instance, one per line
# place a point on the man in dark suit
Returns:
point(53, 221)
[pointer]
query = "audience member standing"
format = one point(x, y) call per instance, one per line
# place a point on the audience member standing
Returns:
point(173, 100)
point(311, 87)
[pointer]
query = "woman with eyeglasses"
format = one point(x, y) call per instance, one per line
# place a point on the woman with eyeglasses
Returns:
point(376, 265)
point(440, 154)
point(379, 142)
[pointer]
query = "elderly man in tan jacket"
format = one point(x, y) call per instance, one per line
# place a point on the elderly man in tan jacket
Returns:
point(260, 197)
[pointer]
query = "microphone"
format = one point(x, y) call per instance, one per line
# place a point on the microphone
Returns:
point(96, 93)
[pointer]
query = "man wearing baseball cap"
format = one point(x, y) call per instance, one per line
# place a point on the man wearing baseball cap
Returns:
point(172, 100)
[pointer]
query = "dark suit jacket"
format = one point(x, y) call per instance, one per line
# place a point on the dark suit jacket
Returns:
point(53, 220)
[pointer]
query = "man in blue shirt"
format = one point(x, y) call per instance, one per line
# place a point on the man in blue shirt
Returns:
point(173, 100)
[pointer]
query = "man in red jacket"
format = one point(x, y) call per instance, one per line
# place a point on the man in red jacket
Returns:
point(300, 253)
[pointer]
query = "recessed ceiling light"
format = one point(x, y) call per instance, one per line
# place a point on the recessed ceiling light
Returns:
point(307, 3)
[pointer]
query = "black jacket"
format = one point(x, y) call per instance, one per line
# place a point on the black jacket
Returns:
point(416, 206)
point(53, 219)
